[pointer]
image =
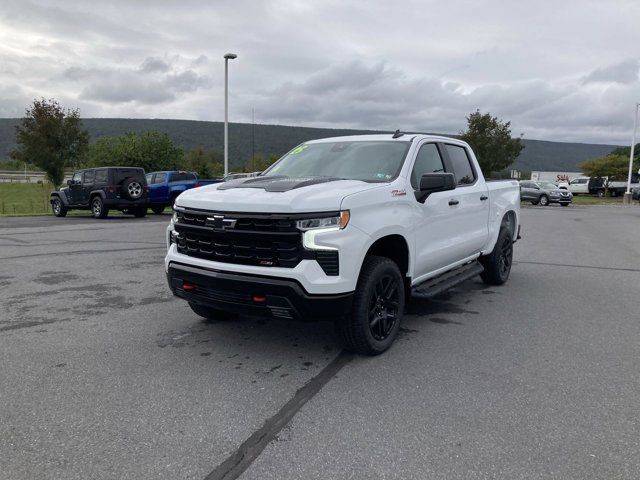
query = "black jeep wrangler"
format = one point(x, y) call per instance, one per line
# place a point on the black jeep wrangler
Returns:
point(102, 189)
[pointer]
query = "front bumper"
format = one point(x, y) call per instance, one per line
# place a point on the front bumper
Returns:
point(253, 294)
point(561, 199)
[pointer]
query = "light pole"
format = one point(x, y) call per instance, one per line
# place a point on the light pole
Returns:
point(227, 57)
point(627, 195)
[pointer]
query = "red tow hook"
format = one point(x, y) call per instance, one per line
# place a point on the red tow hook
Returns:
point(188, 287)
point(259, 299)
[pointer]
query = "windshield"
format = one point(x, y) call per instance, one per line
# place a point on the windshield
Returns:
point(548, 186)
point(369, 161)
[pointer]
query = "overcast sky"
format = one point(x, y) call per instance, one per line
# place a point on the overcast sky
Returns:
point(559, 70)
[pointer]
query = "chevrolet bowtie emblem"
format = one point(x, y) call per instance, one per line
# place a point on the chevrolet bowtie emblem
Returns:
point(218, 222)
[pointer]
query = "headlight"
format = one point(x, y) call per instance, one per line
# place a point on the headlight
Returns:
point(337, 222)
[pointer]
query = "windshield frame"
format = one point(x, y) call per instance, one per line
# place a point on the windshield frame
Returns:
point(407, 143)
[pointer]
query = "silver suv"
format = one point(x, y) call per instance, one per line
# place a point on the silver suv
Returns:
point(544, 193)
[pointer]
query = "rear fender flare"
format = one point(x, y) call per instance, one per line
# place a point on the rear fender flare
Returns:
point(97, 192)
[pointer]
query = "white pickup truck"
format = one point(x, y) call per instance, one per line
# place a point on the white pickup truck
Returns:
point(344, 228)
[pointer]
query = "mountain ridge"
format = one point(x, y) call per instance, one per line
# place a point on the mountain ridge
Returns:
point(278, 139)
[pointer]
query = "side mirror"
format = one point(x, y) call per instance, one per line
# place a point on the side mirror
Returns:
point(435, 182)
point(69, 182)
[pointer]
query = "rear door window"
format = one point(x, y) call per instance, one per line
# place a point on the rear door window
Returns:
point(88, 178)
point(101, 177)
point(428, 160)
point(461, 164)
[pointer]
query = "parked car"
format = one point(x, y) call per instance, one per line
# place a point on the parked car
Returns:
point(344, 228)
point(635, 193)
point(103, 189)
point(587, 186)
point(165, 186)
point(617, 188)
point(544, 193)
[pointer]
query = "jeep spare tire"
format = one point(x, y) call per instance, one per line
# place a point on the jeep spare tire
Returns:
point(132, 188)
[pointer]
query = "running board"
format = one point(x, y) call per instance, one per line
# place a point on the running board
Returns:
point(435, 286)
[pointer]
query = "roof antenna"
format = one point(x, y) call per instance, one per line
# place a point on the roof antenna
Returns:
point(398, 134)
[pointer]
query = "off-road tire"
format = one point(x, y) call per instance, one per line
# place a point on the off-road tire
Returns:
point(157, 209)
point(497, 265)
point(132, 188)
point(211, 314)
point(98, 209)
point(359, 330)
point(58, 208)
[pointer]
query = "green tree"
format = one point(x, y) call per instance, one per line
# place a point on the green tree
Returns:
point(259, 163)
point(610, 167)
point(150, 150)
point(626, 151)
point(51, 138)
point(491, 141)
point(206, 163)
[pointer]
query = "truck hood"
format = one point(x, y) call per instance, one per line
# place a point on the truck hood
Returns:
point(274, 195)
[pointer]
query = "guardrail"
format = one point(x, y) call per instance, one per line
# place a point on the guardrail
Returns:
point(12, 176)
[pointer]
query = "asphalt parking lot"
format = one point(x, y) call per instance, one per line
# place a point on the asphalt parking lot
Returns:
point(104, 375)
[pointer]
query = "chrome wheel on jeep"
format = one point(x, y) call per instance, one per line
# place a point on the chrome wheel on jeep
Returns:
point(59, 210)
point(134, 189)
point(98, 208)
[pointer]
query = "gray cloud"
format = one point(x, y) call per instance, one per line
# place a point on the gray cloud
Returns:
point(331, 63)
point(623, 72)
point(154, 64)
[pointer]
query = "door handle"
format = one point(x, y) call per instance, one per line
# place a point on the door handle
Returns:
point(453, 202)
point(484, 197)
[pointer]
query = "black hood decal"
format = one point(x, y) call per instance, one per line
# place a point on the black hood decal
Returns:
point(275, 183)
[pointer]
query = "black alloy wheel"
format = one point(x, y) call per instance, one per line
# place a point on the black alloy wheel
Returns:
point(383, 308)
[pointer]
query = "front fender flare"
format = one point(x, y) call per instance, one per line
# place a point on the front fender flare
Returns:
point(61, 195)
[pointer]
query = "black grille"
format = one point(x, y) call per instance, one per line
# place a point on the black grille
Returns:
point(269, 241)
point(328, 262)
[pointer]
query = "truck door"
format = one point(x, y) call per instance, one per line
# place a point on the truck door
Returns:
point(469, 203)
point(87, 186)
point(75, 188)
point(434, 229)
point(160, 188)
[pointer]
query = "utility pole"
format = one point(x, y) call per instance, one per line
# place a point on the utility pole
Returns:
point(227, 57)
point(253, 140)
point(627, 194)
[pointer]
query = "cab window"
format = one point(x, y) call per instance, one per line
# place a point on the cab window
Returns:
point(159, 178)
point(428, 160)
point(77, 178)
point(461, 164)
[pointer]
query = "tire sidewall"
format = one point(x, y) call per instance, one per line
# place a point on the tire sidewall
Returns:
point(368, 286)
point(57, 207)
point(544, 200)
point(95, 201)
